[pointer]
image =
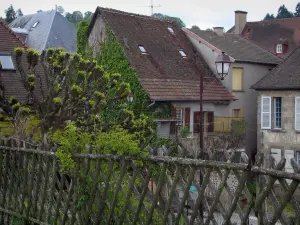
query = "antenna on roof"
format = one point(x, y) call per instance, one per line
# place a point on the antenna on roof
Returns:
point(151, 6)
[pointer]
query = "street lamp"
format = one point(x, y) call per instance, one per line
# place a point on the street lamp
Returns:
point(130, 97)
point(222, 64)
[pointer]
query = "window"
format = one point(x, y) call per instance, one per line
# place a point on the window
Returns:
point(142, 49)
point(179, 116)
point(6, 62)
point(237, 113)
point(182, 53)
point(279, 48)
point(297, 113)
point(265, 112)
point(34, 25)
point(277, 112)
point(298, 157)
point(171, 30)
point(237, 79)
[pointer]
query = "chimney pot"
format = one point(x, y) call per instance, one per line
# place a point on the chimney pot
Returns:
point(240, 21)
point(219, 30)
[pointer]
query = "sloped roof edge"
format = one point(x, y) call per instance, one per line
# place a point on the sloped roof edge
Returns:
point(10, 31)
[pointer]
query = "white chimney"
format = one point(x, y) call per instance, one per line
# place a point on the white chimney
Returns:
point(240, 21)
point(219, 30)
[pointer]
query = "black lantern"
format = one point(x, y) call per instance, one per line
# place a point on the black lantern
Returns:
point(223, 64)
point(130, 97)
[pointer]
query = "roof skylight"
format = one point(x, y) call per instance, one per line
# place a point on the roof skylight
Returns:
point(171, 30)
point(182, 53)
point(34, 25)
point(142, 49)
point(6, 62)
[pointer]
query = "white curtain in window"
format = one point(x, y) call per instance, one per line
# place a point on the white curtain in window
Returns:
point(265, 112)
point(297, 113)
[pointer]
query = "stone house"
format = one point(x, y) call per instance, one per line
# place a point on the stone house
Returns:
point(168, 68)
point(278, 120)
point(279, 36)
point(44, 30)
point(250, 63)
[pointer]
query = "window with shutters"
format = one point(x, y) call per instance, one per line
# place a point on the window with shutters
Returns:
point(277, 112)
point(265, 112)
point(297, 113)
point(237, 79)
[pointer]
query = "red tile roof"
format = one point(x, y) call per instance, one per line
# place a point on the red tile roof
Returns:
point(163, 72)
point(11, 80)
point(268, 33)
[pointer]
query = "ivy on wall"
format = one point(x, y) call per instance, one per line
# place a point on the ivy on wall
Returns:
point(81, 36)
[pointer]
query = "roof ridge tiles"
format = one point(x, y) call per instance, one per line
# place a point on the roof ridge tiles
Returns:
point(134, 14)
point(10, 31)
point(274, 20)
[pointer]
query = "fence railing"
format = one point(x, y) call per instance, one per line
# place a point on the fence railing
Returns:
point(110, 189)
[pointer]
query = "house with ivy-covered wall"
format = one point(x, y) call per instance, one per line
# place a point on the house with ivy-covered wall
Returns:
point(163, 69)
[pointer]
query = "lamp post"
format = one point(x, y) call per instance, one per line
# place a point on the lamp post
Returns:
point(222, 66)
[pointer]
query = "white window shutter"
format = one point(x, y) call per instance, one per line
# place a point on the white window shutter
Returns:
point(276, 153)
point(297, 113)
point(289, 154)
point(265, 112)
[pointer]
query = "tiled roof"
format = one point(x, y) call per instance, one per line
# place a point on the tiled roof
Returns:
point(283, 77)
point(238, 47)
point(10, 79)
point(163, 72)
point(268, 33)
point(52, 31)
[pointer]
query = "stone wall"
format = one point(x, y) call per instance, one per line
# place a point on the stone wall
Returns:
point(284, 140)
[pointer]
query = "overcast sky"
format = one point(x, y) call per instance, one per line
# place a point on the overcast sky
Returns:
point(204, 13)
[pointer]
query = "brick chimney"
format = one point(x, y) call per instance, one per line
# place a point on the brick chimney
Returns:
point(240, 21)
point(219, 30)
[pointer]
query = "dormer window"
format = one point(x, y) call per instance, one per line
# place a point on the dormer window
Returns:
point(34, 25)
point(142, 49)
point(182, 53)
point(278, 48)
point(171, 30)
point(6, 62)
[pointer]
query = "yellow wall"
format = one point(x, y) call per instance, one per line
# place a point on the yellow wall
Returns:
point(223, 124)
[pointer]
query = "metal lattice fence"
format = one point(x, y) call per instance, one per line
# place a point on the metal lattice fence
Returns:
point(109, 189)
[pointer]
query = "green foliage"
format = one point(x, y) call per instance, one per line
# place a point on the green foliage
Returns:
point(195, 27)
point(179, 22)
point(269, 16)
point(82, 36)
point(10, 14)
point(185, 132)
point(162, 110)
point(252, 188)
point(238, 127)
point(297, 10)
point(283, 13)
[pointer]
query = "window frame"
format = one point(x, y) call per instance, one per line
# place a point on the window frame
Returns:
point(12, 61)
point(142, 49)
point(35, 25)
point(274, 112)
point(279, 46)
point(170, 29)
point(296, 113)
point(239, 112)
point(182, 53)
point(262, 113)
point(242, 79)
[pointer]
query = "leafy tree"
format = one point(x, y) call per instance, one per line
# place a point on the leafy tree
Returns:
point(74, 17)
point(39, 11)
point(269, 16)
point(19, 13)
point(87, 15)
point(60, 9)
point(284, 13)
point(76, 90)
point(10, 14)
point(297, 10)
point(176, 19)
point(195, 27)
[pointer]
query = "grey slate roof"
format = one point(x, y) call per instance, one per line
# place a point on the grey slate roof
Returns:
point(238, 47)
point(52, 31)
point(285, 76)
